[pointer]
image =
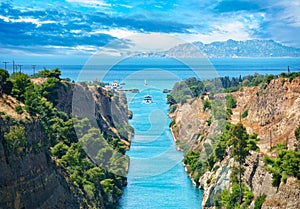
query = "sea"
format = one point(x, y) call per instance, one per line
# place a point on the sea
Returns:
point(156, 177)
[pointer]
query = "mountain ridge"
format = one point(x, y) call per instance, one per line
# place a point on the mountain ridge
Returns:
point(227, 49)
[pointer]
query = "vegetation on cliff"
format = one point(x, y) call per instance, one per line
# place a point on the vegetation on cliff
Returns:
point(211, 155)
point(86, 177)
point(286, 163)
point(184, 90)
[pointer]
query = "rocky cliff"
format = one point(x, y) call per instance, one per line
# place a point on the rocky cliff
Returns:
point(107, 111)
point(30, 177)
point(273, 111)
point(273, 114)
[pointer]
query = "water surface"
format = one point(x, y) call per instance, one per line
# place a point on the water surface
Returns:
point(156, 177)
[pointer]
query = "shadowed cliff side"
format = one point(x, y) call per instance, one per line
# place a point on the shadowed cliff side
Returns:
point(28, 176)
point(44, 160)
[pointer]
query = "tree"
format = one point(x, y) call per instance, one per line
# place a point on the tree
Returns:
point(206, 104)
point(286, 163)
point(15, 138)
point(5, 84)
point(230, 101)
point(32, 100)
point(59, 150)
point(20, 83)
point(19, 110)
point(242, 143)
point(196, 87)
point(55, 73)
point(49, 89)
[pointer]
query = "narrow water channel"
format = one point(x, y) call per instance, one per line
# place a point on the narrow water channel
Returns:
point(156, 177)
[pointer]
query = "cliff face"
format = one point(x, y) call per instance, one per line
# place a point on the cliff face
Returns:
point(191, 127)
point(109, 113)
point(29, 179)
point(273, 114)
point(287, 195)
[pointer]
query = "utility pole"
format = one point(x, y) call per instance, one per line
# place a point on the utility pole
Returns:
point(5, 64)
point(33, 68)
point(20, 68)
point(13, 66)
point(289, 70)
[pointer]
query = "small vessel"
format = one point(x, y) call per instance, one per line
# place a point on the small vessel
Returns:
point(115, 86)
point(147, 99)
point(166, 91)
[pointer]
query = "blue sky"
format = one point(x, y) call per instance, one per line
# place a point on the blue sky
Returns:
point(70, 28)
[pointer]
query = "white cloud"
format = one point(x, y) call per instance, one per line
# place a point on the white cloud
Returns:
point(139, 42)
point(76, 31)
point(126, 6)
point(5, 19)
point(32, 20)
point(291, 12)
point(153, 41)
point(91, 3)
point(142, 41)
point(235, 30)
point(117, 32)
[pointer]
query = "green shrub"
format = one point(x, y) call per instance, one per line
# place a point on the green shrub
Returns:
point(59, 150)
point(286, 163)
point(19, 109)
point(245, 114)
point(230, 101)
point(268, 78)
point(206, 104)
point(15, 138)
point(259, 201)
point(228, 113)
point(172, 123)
point(173, 108)
point(208, 181)
point(209, 121)
point(216, 168)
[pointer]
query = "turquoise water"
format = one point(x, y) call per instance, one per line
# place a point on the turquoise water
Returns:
point(156, 177)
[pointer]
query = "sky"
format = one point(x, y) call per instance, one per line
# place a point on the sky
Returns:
point(67, 29)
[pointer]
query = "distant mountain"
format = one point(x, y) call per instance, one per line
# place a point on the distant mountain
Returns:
point(230, 48)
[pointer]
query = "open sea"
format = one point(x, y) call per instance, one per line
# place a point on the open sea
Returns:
point(156, 177)
point(180, 68)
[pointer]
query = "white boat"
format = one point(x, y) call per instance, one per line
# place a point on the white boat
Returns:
point(147, 99)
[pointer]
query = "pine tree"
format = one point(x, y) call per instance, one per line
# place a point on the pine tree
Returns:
point(242, 143)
